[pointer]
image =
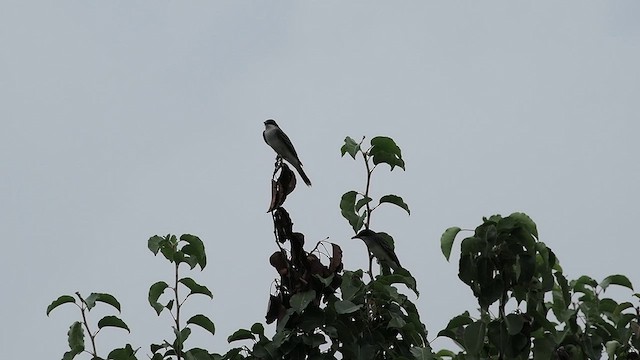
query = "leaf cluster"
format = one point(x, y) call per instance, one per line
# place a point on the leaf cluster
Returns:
point(356, 206)
point(322, 311)
point(190, 250)
point(362, 321)
point(554, 318)
point(76, 333)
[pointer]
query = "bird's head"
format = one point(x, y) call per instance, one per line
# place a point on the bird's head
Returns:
point(270, 122)
point(366, 233)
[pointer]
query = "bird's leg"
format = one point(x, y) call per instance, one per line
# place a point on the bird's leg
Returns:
point(277, 165)
point(370, 266)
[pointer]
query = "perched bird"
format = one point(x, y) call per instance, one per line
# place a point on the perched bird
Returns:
point(380, 248)
point(279, 141)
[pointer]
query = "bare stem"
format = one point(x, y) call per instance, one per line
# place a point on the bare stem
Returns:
point(175, 290)
point(366, 192)
point(370, 272)
point(366, 195)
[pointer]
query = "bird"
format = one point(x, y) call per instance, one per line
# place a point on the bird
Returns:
point(380, 248)
point(280, 143)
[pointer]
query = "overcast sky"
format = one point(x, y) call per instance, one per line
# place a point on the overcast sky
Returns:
point(122, 120)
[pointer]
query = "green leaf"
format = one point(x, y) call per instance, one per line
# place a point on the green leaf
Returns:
point(104, 298)
point(348, 203)
point(514, 323)
point(282, 335)
point(622, 307)
point(420, 353)
point(611, 347)
point(400, 276)
point(325, 281)
point(312, 319)
point(525, 268)
point(445, 353)
point(396, 200)
point(446, 240)
point(460, 320)
point(626, 319)
point(112, 321)
point(543, 348)
point(498, 336)
point(620, 280)
point(314, 340)
point(157, 347)
point(182, 257)
point(282, 322)
point(564, 286)
point(195, 287)
point(474, 337)
point(561, 299)
point(350, 146)
point(348, 209)
point(361, 351)
point(381, 157)
point(155, 243)
point(384, 150)
point(59, 301)
point(300, 301)
point(195, 249)
point(203, 322)
point(396, 321)
point(607, 306)
point(125, 353)
point(351, 284)
point(385, 144)
point(197, 354)
point(181, 337)
point(524, 220)
point(154, 294)
point(232, 354)
point(362, 202)
point(241, 334)
point(168, 247)
point(75, 337)
point(69, 355)
point(468, 269)
point(346, 307)
point(257, 329)
point(580, 284)
point(473, 245)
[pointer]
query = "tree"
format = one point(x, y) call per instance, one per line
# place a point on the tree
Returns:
point(323, 311)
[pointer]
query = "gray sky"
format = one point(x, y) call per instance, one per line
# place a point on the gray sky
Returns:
point(123, 120)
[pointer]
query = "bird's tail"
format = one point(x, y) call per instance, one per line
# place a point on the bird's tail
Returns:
point(304, 176)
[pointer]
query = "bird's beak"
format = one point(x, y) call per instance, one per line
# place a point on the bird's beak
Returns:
point(355, 237)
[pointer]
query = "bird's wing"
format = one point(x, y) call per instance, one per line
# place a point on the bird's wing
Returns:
point(285, 139)
point(386, 246)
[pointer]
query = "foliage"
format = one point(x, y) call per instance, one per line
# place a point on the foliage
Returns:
point(553, 318)
point(356, 206)
point(189, 249)
point(528, 309)
point(321, 310)
point(76, 334)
